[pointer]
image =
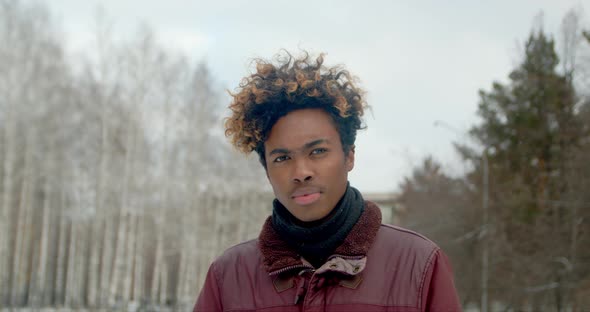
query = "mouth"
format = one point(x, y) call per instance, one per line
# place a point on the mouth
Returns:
point(305, 197)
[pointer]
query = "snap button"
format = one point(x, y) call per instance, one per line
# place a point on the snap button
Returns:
point(356, 269)
point(333, 266)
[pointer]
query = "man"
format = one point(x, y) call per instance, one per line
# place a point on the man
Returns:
point(324, 248)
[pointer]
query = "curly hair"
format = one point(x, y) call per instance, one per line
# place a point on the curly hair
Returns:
point(289, 84)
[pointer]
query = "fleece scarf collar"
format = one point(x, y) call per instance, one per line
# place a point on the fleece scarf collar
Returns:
point(278, 255)
point(316, 240)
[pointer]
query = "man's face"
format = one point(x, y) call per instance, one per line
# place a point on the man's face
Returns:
point(305, 163)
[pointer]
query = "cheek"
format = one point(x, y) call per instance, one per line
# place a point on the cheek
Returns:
point(339, 169)
point(275, 178)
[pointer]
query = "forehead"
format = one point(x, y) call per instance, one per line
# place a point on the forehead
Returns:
point(302, 126)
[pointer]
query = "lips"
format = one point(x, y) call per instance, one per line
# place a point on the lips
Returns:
point(306, 196)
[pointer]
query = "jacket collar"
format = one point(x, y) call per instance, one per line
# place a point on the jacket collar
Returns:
point(279, 257)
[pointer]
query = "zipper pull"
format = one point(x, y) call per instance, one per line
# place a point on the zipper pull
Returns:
point(300, 289)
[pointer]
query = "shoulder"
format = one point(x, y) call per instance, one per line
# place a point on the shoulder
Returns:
point(400, 245)
point(238, 257)
point(398, 239)
point(403, 262)
point(403, 238)
point(240, 249)
point(418, 265)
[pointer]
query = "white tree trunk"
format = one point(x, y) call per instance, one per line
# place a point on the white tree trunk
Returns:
point(120, 250)
point(191, 283)
point(16, 279)
point(106, 260)
point(85, 246)
point(44, 238)
point(181, 276)
point(32, 293)
point(131, 243)
point(37, 289)
point(100, 254)
point(155, 285)
point(96, 237)
point(206, 242)
point(138, 276)
point(5, 235)
point(164, 283)
point(220, 207)
point(94, 261)
point(24, 228)
point(60, 265)
point(77, 284)
point(242, 210)
point(118, 259)
point(71, 286)
point(130, 252)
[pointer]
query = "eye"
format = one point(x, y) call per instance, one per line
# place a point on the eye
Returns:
point(281, 158)
point(318, 151)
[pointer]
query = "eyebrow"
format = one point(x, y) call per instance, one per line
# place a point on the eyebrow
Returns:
point(305, 146)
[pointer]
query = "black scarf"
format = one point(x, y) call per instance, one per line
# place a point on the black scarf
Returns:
point(316, 240)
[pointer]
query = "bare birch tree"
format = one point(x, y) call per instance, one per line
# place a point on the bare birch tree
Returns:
point(100, 162)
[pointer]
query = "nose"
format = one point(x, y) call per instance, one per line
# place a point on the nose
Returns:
point(302, 172)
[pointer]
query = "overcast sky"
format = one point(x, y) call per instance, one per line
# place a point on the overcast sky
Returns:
point(420, 61)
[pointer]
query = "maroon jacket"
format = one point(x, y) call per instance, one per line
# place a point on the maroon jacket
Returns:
point(377, 268)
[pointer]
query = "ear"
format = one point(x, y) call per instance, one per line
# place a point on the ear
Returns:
point(349, 159)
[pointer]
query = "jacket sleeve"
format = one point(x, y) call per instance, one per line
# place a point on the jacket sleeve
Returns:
point(210, 297)
point(439, 293)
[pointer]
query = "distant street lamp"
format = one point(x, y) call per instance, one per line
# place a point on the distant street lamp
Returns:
point(485, 257)
point(485, 220)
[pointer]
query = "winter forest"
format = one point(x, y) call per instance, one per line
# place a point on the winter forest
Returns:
point(96, 210)
point(105, 207)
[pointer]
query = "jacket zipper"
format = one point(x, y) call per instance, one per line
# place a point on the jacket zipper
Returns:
point(345, 257)
point(289, 268)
